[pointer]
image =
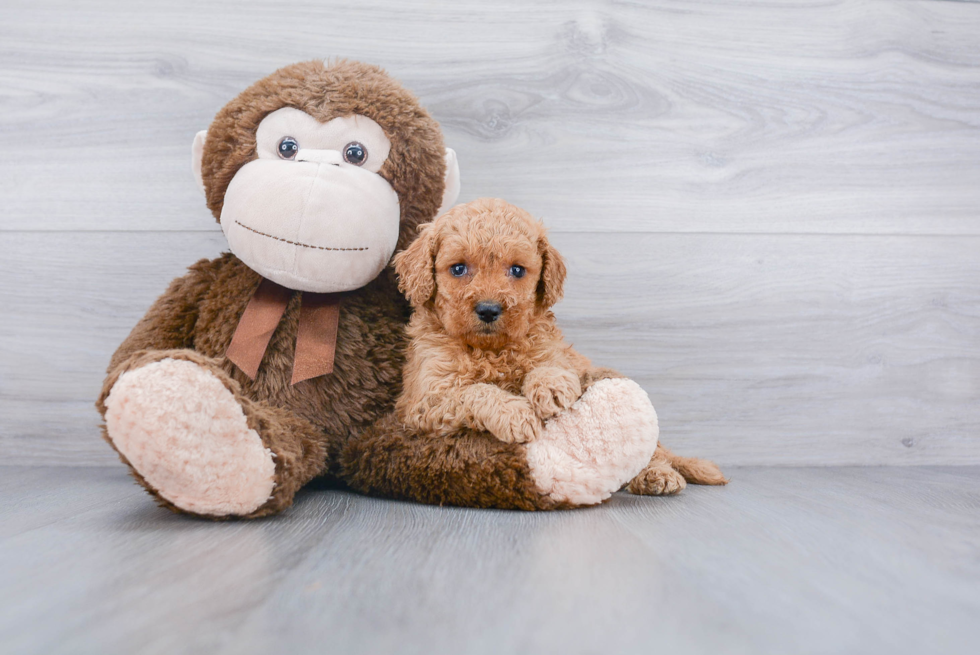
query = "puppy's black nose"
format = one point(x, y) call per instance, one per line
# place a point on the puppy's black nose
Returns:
point(488, 311)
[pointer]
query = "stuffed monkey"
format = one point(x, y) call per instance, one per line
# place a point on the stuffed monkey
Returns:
point(279, 361)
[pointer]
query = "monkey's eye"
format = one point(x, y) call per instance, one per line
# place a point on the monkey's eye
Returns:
point(517, 271)
point(355, 153)
point(458, 270)
point(288, 147)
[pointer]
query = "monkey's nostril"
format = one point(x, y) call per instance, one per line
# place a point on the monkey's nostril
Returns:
point(488, 311)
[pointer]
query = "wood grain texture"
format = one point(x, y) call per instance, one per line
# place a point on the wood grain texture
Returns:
point(770, 208)
point(756, 349)
point(831, 560)
point(856, 116)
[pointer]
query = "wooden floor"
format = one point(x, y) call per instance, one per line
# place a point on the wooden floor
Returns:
point(812, 560)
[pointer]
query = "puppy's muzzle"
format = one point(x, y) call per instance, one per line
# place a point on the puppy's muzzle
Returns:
point(488, 311)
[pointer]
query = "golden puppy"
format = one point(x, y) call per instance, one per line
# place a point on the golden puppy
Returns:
point(486, 353)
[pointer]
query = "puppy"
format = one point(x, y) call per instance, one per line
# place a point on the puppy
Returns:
point(485, 350)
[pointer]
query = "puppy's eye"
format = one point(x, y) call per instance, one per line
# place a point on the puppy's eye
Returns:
point(288, 147)
point(458, 270)
point(517, 271)
point(355, 153)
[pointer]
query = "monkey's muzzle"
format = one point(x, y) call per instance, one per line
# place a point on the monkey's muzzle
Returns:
point(316, 224)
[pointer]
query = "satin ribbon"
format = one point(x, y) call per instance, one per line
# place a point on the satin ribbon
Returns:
point(316, 336)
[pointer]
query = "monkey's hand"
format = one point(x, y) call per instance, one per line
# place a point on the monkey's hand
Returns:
point(550, 389)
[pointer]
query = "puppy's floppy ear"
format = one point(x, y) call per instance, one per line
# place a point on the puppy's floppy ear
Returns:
point(416, 267)
point(551, 285)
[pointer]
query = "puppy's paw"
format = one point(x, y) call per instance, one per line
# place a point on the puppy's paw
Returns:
point(658, 479)
point(550, 390)
point(517, 422)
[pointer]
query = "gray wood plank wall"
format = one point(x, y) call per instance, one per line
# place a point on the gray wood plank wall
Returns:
point(771, 210)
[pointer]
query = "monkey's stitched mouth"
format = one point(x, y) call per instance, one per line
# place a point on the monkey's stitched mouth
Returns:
point(292, 243)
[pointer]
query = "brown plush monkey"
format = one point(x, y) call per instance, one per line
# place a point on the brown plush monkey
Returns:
point(279, 361)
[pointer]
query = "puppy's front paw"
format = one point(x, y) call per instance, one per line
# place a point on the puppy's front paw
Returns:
point(658, 479)
point(517, 423)
point(550, 390)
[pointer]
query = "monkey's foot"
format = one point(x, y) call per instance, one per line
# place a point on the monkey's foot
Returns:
point(597, 445)
point(186, 435)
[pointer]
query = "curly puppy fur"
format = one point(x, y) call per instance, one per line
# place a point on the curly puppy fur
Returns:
point(504, 376)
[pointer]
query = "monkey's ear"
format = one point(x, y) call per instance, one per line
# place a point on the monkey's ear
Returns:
point(551, 285)
point(451, 193)
point(416, 267)
point(197, 155)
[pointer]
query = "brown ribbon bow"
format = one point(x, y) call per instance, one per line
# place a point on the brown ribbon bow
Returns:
point(316, 337)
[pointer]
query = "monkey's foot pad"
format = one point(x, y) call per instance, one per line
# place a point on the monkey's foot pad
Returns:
point(187, 436)
point(596, 446)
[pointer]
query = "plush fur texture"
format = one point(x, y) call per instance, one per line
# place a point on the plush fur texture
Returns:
point(170, 413)
point(570, 465)
point(466, 469)
point(604, 439)
point(340, 424)
point(306, 425)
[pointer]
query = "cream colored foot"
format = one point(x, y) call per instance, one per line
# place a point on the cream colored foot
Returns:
point(187, 436)
point(597, 445)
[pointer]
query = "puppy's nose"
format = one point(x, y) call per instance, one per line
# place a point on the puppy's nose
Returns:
point(488, 311)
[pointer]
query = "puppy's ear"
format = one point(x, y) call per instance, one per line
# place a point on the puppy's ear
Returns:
point(551, 285)
point(416, 267)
